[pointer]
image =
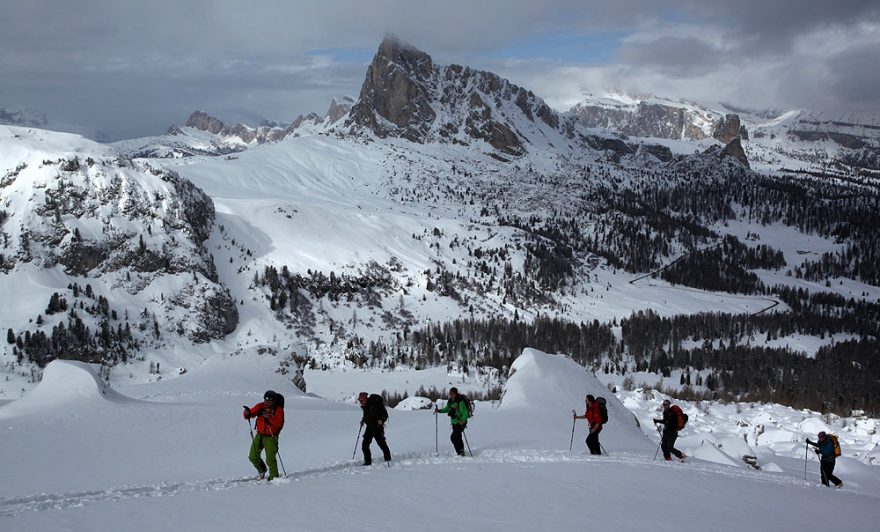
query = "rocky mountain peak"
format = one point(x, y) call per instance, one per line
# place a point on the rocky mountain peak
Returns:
point(405, 94)
point(734, 149)
point(205, 122)
point(338, 109)
point(728, 128)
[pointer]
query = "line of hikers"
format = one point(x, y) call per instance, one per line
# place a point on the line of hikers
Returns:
point(270, 421)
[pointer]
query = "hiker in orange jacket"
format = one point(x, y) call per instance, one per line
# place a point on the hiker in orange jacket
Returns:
point(593, 415)
point(270, 421)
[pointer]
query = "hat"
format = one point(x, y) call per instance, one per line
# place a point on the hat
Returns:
point(453, 390)
point(269, 396)
point(822, 434)
point(666, 402)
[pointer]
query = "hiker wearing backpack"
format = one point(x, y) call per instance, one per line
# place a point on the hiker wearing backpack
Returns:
point(593, 415)
point(673, 421)
point(374, 419)
point(458, 410)
point(828, 453)
point(270, 421)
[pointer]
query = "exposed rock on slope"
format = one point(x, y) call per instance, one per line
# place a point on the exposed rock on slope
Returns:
point(406, 95)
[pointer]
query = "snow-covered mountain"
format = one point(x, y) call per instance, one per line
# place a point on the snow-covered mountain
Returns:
point(102, 254)
point(354, 241)
point(777, 141)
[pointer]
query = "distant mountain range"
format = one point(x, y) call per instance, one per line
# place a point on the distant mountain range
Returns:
point(446, 216)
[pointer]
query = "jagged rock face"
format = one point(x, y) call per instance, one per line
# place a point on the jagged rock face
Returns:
point(406, 95)
point(735, 150)
point(260, 135)
point(728, 128)
point(646, 120)
point(205, 122)
point(396, 90)
point(338, 109)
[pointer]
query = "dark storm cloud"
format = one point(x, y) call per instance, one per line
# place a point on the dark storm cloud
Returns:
point(132, 68)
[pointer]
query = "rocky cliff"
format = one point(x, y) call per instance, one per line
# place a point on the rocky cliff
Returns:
point(406, 95)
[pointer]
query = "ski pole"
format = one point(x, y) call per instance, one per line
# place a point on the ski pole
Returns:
point(250, 426)
point(278, 449)
point(436, 436)
point(806, 454)
point(356, 441)
point(571, 443)
point(603, 449)
point(659, 444)
point(466, 443)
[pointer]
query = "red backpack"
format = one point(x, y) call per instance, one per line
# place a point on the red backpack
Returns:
point(680, 416)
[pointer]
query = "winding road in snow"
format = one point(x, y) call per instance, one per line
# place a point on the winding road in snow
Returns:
point(774, 302)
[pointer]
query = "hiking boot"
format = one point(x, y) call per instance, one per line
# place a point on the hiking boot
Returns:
point(839, 485)
point(683, 458)
point(262, 475)
point(367, 464)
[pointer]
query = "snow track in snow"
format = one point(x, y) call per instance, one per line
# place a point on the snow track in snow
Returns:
point(58, 501)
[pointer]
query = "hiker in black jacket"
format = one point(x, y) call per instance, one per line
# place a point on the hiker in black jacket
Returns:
point(670, 431)
point(825, 450)
point(375, 417)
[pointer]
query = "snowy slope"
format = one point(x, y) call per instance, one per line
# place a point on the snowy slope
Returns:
point(175, 458)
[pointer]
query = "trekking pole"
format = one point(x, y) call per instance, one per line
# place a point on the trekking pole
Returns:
point(356, 441)
point(278, 450)
point(466, 443)
point(571, 443)
point(250, 426)
point(436, 436)
point(603, 449)
point(806, 454)
point(659, 444)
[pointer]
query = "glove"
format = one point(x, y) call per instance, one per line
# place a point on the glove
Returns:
point(808, 440)
point(247, 412)
point(380, 422)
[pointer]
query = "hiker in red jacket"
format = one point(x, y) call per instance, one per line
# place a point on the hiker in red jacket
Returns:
point(670, 424)
point(594, 418)
point(270, 421)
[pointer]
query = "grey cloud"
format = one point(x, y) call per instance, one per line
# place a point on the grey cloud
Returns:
point(134, 67)
point(678, 55)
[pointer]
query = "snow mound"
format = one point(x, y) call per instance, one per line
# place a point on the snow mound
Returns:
point(556, 385)
point(67, 383)
point(414, 403)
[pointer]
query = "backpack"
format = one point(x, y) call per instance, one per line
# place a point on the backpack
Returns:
point(836, 443)
point(680, 416)
point(469, 403)
point(603, 409)
point(376, 403)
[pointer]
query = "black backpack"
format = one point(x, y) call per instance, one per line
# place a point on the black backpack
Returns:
point(376, 404)
point(277, 397)
point(603, 409)
point(469, 403)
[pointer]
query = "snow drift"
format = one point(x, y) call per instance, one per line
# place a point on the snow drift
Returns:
point(65, 383)
point(556, 384)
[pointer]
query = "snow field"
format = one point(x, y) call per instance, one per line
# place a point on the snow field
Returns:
point(173, 456)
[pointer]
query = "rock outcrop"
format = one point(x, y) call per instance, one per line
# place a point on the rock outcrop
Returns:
point(728, 128)
point(406, 95)
point(645, 120)
point(735, 150)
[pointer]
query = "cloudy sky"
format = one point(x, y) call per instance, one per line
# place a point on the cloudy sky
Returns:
point(133, 68)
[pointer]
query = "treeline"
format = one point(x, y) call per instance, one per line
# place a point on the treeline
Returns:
point(728, 353)
point(110, 341)
point(725, 267)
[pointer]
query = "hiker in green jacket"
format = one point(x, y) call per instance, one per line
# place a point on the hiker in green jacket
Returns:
point(457, 409)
